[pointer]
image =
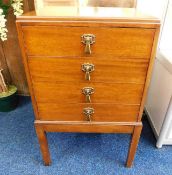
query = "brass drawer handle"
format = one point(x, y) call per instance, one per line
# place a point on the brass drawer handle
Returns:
point(88, 40)
point(88, 68)
point(88, 112)
point(87, 91)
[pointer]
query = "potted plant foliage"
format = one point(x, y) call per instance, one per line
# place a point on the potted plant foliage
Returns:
point(8, 93)
point(4, 7)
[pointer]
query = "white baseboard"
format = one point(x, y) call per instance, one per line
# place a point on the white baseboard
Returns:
point(168, 142)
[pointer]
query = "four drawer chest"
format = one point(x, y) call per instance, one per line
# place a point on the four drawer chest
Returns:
point(88, 72)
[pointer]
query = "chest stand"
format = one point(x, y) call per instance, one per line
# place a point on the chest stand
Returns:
point(119, 127)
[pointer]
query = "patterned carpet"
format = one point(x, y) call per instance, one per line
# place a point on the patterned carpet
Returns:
point(75, 153)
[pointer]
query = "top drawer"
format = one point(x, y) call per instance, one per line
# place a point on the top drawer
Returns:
point(66, 41)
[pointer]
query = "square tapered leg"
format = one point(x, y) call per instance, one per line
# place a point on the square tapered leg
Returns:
point(133, 145)
point(42, 138)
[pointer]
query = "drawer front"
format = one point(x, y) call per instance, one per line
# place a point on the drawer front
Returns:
point(105, 70)
point(74, 112)
point(103, 92)
point(66, 41)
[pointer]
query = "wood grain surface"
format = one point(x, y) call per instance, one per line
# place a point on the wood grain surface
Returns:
point(107, 69)
point(102, 112)
point(66, 41)
point(121, 93)
point(86, 127)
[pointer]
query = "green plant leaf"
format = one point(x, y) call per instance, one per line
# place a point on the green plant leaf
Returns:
point(5, 7)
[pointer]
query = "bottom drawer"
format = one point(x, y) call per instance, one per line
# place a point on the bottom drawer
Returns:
point(74, 112)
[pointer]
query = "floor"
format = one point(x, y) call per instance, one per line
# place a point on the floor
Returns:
point(75, 153)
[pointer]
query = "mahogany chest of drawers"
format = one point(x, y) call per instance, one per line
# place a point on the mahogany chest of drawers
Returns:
point(88, 74)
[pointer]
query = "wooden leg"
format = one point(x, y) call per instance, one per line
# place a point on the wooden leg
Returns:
point(133, 145)
point(41, 134)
